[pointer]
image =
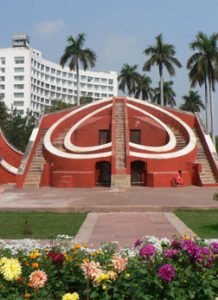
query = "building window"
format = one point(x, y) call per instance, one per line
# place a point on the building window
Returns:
point(2, 96)
point(18, 103)
point(135, 136)
point(19, 60)
point(2, 60)
point(18, 95)
point(18, 70)
point(2, 78)
point(110, 81)
point(104, 136)
point(2, 70)
point(19, 86)
point(18, 78)
point(2, 87)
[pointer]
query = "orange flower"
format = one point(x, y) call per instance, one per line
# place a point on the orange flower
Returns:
point(35, 265)
point(119, 263)
point(20, 279)
point(38, 279)
point(29, 284)
point(77, 246)
point(27, 263)
point(91, 269)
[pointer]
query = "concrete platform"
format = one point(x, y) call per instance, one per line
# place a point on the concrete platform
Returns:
point(121, 215)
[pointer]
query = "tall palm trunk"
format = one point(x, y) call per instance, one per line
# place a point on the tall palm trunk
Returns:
point(78, 84)
point(211, 91)
point(161, 86)
point(206, 102)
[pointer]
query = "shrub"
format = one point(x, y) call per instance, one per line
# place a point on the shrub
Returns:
point(154, 269)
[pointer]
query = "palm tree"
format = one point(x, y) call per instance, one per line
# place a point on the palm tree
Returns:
point(193, 102)
point(76, 54)
point(128, 79)
point(168, 94)
point(203, 68)
point(143, 88)
point(161, 55)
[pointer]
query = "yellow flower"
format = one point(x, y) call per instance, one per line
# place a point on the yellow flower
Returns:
point(2, 261)
point(34, 254)
point(102, 277)
point(112, 275)
point(67, 257)
point(187, 237)
point(69, 296)
point(11, 269)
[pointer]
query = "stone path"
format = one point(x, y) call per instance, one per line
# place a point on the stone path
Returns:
point(121, 215)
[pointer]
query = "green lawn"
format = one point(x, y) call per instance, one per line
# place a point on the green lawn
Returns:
point(39, 225)
point(203, 222)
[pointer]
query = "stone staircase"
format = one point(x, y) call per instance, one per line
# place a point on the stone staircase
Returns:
point(59, 141)
point(33, 177)
point(121, 179)
point(180, 140)
point(207, 175)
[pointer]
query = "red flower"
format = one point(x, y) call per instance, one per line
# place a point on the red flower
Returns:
point(57, 257)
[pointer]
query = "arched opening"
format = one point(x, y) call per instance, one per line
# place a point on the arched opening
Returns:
point(138, 173)
point(103, 173)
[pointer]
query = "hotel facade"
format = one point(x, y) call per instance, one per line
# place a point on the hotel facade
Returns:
point(30, 82)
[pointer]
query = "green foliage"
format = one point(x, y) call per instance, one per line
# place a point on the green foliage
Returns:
point(57, 105)
point(18, 225)
point(18, 128)
point(168, 94)
point(85, 100)
point(193, 102)
point(215, 196)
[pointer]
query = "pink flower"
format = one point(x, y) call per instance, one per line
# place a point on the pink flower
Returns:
point(169, 253)
point(148, 250)
point(91, 269)
point(38, 279)
point(167, 272)
point(119, 263)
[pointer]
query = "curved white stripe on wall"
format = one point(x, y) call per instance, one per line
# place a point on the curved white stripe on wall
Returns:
point(71, 147)
point(8, 167)
point(53, 150)
point(9, 145)
point(187, 149)
point(172, 140)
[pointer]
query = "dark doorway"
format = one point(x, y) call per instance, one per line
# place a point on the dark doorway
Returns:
point(104, 136)
point(103, 173)
point(135, 136)
point(138, 173)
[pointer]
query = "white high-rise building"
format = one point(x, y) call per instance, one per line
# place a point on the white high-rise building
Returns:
point(28, 81)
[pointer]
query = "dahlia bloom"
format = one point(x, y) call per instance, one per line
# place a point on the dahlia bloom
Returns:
point(10, 269)
point(91, 269)
point(56, 257)
point(119, 263)
point(38, 279)
point(166, 272)
point(214, 246)
point(169, 253)
point(69, 296)
point(148, 250)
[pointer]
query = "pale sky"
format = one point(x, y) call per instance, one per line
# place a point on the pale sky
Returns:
point(117, 30)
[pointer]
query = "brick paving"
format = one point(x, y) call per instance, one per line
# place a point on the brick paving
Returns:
point(121, 215)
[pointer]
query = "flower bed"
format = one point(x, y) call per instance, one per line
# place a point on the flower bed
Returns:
point(154, 269)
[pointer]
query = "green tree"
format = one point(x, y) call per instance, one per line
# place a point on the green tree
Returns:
point(128, 79)
point(76, 54)
point(168, 94)
point(143, 88)
point(3, 114)
point(203, 66)
point(19, 128)
point(193, 102)
point(162, 55)
point(57, 105)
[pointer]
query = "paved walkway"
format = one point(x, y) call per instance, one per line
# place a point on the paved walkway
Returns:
point(121, 215)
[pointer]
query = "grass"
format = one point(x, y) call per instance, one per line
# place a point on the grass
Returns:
point(39, 225)
point(203, 222)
